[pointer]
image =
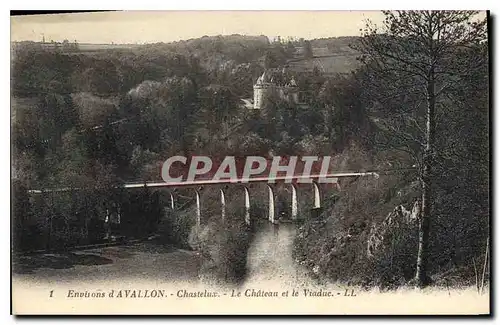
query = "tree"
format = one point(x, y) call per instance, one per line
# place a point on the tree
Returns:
point(100, 77)
point(290, 49)
point(66, 46)
point(417, 56)
point(308, 52)
point(275, 57)
point(93, 110)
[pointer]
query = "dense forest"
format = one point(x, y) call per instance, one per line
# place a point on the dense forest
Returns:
point(99, 119)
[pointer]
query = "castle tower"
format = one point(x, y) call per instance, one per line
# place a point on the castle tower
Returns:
point(274, 82)
point(294, 92)
point(259, 91)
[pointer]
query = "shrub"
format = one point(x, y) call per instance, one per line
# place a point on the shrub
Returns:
point(224, 248)
point(174, 228)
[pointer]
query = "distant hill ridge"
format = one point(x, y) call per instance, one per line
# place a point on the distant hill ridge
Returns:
point(330, 55)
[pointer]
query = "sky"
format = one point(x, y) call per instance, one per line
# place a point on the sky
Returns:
point(168, 26)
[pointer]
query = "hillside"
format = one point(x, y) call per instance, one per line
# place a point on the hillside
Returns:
point(184, 98)
point(331, 64)
point(329, 55)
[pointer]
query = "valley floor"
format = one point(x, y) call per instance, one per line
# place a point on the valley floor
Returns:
point(50, 282)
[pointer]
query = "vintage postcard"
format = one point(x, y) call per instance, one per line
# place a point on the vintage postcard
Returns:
point(250, 163)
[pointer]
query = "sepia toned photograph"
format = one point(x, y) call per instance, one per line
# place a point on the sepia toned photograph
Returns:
point(250, 163)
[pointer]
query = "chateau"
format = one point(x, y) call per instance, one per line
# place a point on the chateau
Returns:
point(274, 82)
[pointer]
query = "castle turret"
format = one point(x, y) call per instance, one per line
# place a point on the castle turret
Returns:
point(259, 91)
point(294, 91)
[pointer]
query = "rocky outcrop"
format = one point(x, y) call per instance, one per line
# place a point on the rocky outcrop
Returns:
point(400, 216)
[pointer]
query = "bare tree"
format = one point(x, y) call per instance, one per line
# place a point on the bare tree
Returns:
point(416, 56)
point(308, 52)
